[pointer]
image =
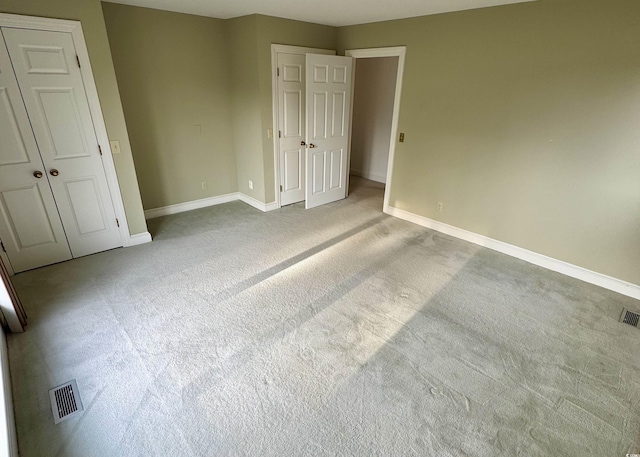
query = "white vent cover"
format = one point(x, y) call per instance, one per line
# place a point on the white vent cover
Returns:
point(65, 401)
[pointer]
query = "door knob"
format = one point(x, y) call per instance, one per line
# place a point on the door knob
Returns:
point(311, 145)
point(54, 172)
point(302, 143)
point(38, 174)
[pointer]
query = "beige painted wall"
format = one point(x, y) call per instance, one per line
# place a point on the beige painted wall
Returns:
point(89, 13)
point(226, 89)
point(250, 43)
point(247, 126)
point(175, 84)
point(524, 121)
point(373, 96)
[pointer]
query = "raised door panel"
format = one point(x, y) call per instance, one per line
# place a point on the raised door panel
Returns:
point(64, 134)
point(319, 115)
point(25, 212)
point(42, 59)
point(338, 116)
point(31, 231)
point(14, 149)
point(318, 172)
point(294, 171)
point(292, 125)
point(54, 95)
point(86, 204)
point(320, 73)
point(336, 170)
point(30, 226)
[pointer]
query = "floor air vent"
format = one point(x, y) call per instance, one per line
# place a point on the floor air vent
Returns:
point(629, 317)
point(65, 401)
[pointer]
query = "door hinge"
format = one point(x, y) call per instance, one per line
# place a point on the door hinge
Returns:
point(117, 222)
point(100, 149)
point(279, 134)
point(78, 60)
point(278, 71)
point(2, 244)
point(280, 187)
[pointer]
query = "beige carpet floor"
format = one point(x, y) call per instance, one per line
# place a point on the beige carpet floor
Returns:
point(333, 331)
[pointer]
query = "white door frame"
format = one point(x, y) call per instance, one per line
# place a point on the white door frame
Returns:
point(398, 52)
point(75, 28)
point(275, 49)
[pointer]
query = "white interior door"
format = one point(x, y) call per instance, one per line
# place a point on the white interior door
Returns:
point(291, 119)
point(30, 226)
point(328, 87)
point(45, 64)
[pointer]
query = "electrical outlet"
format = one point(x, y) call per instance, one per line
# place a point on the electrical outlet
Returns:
point(250, 185)
point(269, 133)
point(402, 138)
point(440, 205)
point(204, 185)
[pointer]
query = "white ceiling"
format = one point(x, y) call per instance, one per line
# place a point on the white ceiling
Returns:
point(330, 12)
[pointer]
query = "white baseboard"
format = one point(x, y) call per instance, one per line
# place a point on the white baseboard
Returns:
point(204, 202)
point(270, 206)
point(264, 207)
point(188, 206)
point(574, 271)
point(139, 238)
point(370, 176)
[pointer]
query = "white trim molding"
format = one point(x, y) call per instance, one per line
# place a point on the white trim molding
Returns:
point(271, 206)
point(257, 204)
point(203, 203)
point(559, 266)
point(139, 238)
point(188, 206)
point(399, 52)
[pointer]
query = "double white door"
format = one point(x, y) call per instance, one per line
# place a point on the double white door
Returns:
point(54, 197)
point(314, 115)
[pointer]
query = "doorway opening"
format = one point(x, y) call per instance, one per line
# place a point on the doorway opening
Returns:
point(376, 108)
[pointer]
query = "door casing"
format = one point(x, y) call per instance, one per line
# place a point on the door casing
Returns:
point(75, 29)
point(399, 52)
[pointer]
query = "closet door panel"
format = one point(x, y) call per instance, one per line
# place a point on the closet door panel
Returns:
point(30, 226)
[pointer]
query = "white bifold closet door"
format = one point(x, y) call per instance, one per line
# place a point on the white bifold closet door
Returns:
point(30, 227)
point(328, 93)
point(54, 197)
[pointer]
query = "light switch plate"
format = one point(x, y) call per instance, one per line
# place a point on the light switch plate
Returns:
point(115, 147)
